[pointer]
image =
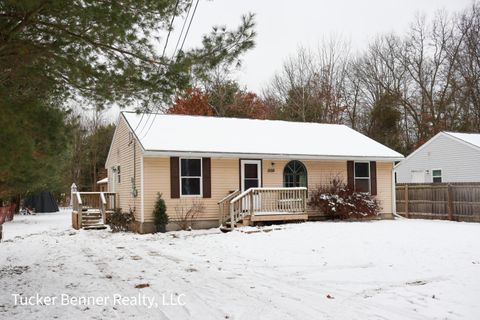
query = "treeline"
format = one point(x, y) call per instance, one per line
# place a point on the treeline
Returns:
point(400, 90)
point(91, 136)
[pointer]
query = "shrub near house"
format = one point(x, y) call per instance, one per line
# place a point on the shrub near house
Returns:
point(338, 201)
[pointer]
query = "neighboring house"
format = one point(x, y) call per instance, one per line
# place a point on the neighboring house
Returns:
point(102, 185)
point(235, 167)
point(447, 157)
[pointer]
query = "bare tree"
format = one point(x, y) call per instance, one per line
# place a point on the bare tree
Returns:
point(310, 85)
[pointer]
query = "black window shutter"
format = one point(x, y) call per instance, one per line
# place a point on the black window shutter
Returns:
point(174, 178)
point(207, 177)
point(351, 175)
point(373, 178)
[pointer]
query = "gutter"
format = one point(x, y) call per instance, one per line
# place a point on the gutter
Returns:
point(174, 153)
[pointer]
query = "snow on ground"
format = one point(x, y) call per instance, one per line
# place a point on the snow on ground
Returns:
point(404, 269)
point(37, 224)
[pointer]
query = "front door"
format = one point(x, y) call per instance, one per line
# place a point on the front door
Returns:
point(251, 174)
point(250, 177)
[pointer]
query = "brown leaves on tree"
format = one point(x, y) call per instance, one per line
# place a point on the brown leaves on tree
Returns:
point(245, 105)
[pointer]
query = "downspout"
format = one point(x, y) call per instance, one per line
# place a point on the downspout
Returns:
point(394, 193)
point(142, 213)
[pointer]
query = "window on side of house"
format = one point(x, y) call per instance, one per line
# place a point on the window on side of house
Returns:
point(362, 176)
point(190, 176)
point(437, 175)
point(118, 174)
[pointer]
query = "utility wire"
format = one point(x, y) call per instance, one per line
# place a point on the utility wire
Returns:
point(183, 27)
point(188, 29)
point(181, 47)
point(170, 28)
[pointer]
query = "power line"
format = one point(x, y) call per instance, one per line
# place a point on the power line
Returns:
point(188, 29)
point(170, 28)
point(181, 47)
point(183, 27)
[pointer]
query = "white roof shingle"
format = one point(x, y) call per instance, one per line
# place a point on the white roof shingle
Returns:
point(223, 136)
point(471, 138)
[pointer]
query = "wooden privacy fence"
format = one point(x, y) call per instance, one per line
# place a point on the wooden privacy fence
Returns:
point(452, 201)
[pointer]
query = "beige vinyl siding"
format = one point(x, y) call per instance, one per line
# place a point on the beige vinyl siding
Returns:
point(318, 172)
point(224, 177)
point(121, 154)
point(384, 185)
point(322, 172)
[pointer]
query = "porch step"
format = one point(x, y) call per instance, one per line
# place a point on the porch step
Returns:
point(227, 226)
point(96, 226)
point(225, 229)
point(92, 219)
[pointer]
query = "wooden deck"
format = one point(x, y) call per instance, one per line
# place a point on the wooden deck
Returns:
point(90, 209)
point(263, 205)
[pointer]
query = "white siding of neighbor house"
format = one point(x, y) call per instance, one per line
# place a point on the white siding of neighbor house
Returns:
point(458, 161)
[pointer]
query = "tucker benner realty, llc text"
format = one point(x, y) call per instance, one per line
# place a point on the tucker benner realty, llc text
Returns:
point(64, 299)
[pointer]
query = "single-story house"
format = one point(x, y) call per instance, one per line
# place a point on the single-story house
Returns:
point(447, 157)
point(234, 167)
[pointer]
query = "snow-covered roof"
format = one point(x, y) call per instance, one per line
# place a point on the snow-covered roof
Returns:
point(471, 138)
point(178, 134)
point(104, 180)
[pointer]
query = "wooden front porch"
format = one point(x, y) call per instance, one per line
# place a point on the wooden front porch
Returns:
point(91, 208)
point(263, 205)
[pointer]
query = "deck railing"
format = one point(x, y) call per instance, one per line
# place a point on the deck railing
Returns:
point(224, 206)
point(103, 201)
point(268, 201)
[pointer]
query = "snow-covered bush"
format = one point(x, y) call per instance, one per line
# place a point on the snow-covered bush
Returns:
point(337, 201)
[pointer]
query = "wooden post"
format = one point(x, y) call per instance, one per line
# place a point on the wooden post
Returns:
point(232, 216)
point(450, 202)
point(406, 202)
point(251, 203)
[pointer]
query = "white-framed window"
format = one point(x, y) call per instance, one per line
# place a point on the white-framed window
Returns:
point(118, 174)
point(437, 175)
point(362, 176)
point(191, 183)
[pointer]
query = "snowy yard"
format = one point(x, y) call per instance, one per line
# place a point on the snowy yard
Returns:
point(406, 269)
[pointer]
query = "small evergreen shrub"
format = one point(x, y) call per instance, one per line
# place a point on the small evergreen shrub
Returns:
point(337, 201)
point(160, 213)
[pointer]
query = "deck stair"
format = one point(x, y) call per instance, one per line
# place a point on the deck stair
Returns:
point(92, 219)
point(90, 209)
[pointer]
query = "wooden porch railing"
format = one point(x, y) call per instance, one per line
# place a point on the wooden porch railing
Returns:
point(103, 201)
point(224, 206)
point(266, 201)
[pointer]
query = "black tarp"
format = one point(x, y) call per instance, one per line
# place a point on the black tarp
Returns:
point(42, 202)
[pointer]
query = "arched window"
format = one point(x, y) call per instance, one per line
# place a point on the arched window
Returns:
point(295, 174)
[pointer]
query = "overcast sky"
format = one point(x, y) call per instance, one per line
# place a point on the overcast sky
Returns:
point(283, 25)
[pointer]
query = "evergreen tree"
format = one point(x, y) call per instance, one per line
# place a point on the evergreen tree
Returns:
point(160, 213)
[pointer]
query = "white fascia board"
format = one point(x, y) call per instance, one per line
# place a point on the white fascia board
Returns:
point(151, 153)
point(133, 133)
point(113, 139)
point(462, 141)
point(421, 148)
